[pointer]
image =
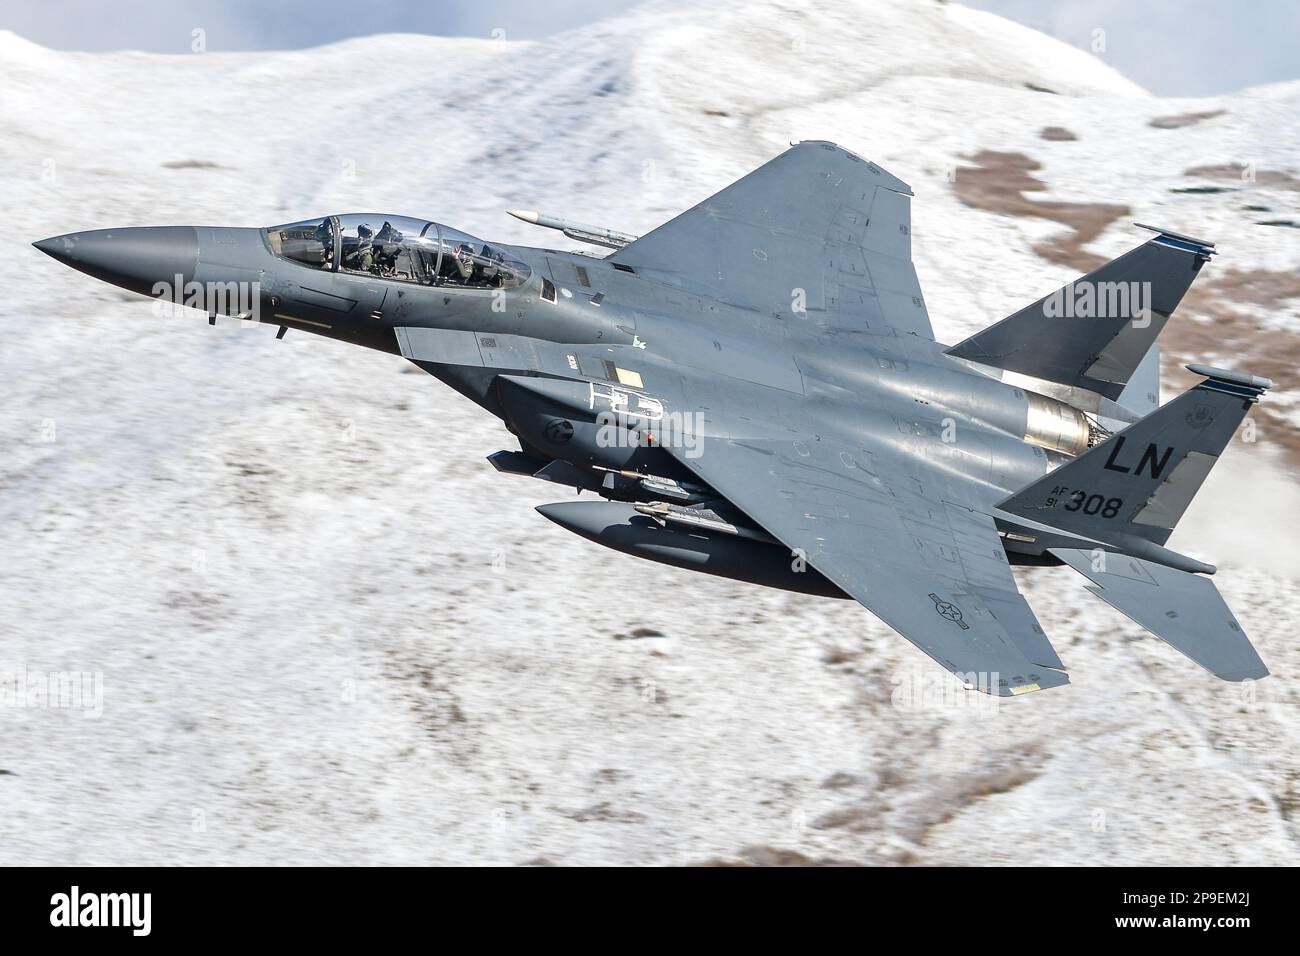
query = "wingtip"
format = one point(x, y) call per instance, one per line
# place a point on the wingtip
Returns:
point(1241, 676)
point(1021, 685)
point(889, 180)
point(1033, 683)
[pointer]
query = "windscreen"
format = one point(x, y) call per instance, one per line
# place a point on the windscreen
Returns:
point(398, 248)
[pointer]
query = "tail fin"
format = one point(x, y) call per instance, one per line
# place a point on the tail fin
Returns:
point(1094, 333)
point(1138, 482)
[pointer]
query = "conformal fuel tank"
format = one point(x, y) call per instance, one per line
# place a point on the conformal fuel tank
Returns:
point(620, 526)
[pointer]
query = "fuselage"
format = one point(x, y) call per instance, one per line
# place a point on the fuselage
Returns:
point(559, 344)
point(899, 390)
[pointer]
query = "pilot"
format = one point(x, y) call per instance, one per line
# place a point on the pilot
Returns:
point(363, 256)
point(387, 246)
point(463, 260)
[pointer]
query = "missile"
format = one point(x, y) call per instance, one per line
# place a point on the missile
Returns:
point(656, 485)
point(705, 519)
point(597, 235)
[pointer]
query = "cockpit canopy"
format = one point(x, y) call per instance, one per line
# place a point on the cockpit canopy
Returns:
point(399, 248)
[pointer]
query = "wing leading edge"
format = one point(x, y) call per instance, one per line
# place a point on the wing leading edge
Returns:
point(934, 572)
point(816, 234)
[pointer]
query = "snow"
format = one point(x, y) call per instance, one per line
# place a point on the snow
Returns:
point(328, 631)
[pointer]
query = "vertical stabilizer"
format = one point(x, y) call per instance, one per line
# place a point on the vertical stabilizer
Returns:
point(1097, 332)
point(1139, 481)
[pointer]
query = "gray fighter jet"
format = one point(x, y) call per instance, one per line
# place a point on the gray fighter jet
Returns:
point(755, 391)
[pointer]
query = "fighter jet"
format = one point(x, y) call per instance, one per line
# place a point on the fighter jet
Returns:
point(754, 390)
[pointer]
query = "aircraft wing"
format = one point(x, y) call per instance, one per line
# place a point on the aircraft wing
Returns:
point(933, 571)
point(817, 235)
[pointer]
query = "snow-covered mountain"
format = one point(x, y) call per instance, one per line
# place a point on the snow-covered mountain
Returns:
point(284, 559)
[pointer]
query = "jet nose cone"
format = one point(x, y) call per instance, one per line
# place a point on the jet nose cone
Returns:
point(136, 259)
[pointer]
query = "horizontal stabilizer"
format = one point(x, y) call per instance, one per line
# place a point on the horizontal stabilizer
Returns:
point(1094, 333)
point(1184, 610)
